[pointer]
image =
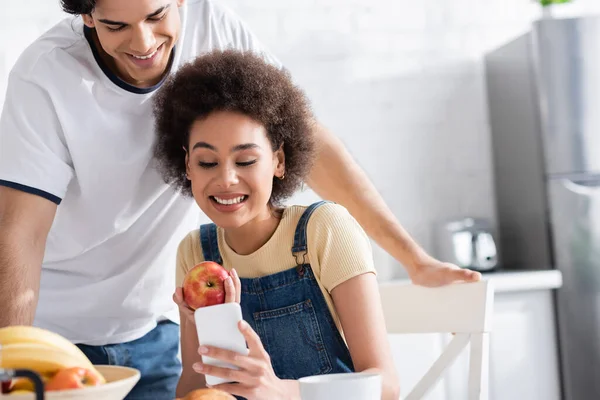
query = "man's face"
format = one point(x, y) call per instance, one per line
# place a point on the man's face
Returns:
point(137, 35)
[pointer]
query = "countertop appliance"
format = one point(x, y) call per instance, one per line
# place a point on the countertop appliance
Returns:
point(544, 106)
point(467, 242)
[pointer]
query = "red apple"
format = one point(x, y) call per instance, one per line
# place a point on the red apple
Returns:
point(204, 285)
point(73, 378)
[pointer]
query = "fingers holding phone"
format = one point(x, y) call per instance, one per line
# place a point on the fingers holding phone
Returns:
point(217, 327)
point(251, 372)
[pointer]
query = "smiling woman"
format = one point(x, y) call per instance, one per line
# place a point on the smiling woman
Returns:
point(235, 132)
point(135, 38)
point(231, 98)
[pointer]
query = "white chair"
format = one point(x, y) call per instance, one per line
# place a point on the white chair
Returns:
point(463, 308)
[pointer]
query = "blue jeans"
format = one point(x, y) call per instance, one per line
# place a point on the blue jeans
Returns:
point(154, 355)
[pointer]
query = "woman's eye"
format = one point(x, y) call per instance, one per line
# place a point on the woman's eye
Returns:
point(207, 165)
point(246, 163)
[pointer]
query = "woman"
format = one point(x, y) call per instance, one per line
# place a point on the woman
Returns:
point(234, 132)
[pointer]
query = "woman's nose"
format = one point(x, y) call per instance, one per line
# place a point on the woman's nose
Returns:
point(228, 177)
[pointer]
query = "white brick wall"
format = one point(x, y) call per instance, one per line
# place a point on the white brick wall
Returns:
point(400, 81)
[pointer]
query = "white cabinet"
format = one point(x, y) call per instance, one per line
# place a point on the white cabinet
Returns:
point(523, 353)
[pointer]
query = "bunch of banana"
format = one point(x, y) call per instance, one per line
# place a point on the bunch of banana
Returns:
point(40, 350)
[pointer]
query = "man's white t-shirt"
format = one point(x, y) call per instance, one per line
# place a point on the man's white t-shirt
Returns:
point(74, 133)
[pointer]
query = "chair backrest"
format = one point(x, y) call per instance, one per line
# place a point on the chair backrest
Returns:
point(454, 308)
point(463, 308)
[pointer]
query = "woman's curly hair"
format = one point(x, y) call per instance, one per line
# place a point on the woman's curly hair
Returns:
point(231, 80)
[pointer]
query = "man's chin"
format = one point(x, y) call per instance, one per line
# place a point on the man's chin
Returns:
point(146, 79)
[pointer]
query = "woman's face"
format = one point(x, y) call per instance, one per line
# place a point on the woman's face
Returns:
point(231, 166)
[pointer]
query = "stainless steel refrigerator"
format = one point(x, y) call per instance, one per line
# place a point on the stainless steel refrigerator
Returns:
point(544, 107)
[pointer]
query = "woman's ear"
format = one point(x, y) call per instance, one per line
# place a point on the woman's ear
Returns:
point(280, 166)
point(187, 164)
point(88, 20)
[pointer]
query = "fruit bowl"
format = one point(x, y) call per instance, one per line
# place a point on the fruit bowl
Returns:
point(119, 382)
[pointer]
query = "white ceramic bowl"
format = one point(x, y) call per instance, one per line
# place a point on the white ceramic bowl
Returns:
point(119, 382)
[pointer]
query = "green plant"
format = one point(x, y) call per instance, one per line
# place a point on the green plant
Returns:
point(545, 3)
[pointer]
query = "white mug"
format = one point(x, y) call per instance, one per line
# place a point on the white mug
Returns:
point(348, 386)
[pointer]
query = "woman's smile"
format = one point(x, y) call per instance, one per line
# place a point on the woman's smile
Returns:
point(228, 202)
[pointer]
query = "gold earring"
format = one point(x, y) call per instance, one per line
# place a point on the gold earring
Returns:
point(282, 177)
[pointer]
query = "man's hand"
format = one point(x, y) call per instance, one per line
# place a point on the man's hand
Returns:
point(433, 273)
point(336, 176)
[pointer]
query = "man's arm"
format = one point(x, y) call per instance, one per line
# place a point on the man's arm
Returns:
point(25, 220)
point(337, 177)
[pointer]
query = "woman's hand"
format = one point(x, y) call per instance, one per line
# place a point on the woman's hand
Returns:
point(255, 378)
point(233, 288)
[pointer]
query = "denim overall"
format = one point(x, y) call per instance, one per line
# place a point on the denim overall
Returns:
point(289, 313)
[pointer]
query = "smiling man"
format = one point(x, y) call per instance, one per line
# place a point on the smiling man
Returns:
point(88, 229)
point(138, 50)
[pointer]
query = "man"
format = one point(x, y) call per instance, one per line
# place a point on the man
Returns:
point(88, 230)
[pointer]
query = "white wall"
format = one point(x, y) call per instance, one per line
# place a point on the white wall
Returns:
point(400, 81)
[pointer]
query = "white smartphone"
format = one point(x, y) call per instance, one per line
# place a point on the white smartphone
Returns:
point(217, 326)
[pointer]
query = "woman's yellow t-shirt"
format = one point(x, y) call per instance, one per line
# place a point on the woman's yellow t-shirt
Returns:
point(338, 250)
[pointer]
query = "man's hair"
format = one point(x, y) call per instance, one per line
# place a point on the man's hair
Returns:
point(239, 82)
point(78, 7)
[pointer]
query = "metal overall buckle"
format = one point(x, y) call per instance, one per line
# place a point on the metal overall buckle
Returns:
point(300, 265)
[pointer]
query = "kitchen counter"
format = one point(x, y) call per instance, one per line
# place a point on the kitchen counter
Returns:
point(512, 281)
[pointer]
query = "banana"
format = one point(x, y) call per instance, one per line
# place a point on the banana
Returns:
point(31, 334)
point(26, 384)
point(22, 384)
point(18, 392)
point(41, 358)
point(21, 334)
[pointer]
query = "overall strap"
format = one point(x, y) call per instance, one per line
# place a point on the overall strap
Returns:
point(209, 243)
point(300, 241)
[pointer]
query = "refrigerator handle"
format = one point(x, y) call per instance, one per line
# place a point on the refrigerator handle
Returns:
point(582, 187)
